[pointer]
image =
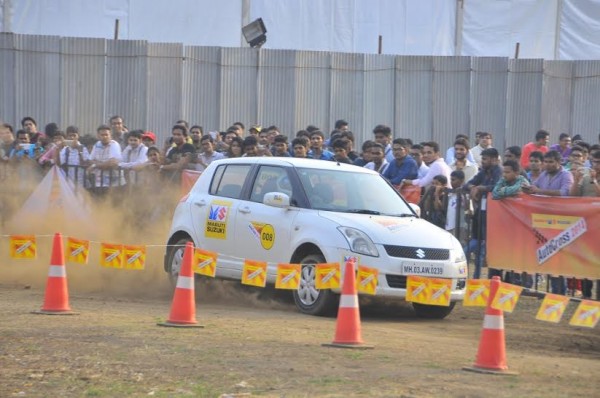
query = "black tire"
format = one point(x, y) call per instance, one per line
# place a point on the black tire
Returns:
point(308, 299)
point(174, 259)
point(433, 311)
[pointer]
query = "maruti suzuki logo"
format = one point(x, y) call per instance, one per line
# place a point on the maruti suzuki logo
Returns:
point(420, 253)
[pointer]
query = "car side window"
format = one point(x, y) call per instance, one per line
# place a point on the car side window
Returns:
point(228, 180)
point(270, 179)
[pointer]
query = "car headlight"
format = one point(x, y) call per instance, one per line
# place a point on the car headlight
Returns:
point(457, 254)
point(358, 241)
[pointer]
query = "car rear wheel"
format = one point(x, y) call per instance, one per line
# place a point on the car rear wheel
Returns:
point(308, 298)
point(433, 311)
point(175, 259)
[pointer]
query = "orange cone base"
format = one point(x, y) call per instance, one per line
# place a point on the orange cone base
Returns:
point(499, 372)
point(179, 325)
point(357, 346)
point(46, 312)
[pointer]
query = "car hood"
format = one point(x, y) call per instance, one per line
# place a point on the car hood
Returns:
point(386, 230)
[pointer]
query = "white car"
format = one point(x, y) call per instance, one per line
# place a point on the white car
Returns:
point(304, 211)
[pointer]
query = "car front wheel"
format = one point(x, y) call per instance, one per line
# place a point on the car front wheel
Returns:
point(175, 259)
point(308, 298)
point(433, 311)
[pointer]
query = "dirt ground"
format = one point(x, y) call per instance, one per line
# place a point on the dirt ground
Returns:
point(260, 346)
point(254, 342)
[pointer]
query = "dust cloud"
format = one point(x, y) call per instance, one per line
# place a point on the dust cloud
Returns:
point(136, 217)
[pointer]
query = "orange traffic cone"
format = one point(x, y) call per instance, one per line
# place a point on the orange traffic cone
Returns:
point(347, 329)
point(491, 355)
point(183, 309)
point(56, 301)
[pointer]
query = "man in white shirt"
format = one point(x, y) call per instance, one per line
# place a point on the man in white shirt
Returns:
point(74, 157)
point(450, 151)
point(416, 152)
point(485, 142)
point(383, 136)
point(209, 154)
point(134, 154)
point(461, 162)
point(437, 166)
point(105, 158)
point(378, 161)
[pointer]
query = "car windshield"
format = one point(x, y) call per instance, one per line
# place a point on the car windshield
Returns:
point(345, 191)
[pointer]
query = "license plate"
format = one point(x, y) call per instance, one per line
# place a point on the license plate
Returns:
point(422, 269)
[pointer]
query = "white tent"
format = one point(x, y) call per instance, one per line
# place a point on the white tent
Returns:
point(549, 29)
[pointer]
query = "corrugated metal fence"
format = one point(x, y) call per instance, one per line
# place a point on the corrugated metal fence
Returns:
point(85, 81)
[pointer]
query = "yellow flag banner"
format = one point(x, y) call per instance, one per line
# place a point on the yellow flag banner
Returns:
point(477, 293)
point(417, 289)
point(586, 315)
point(552, 308)
point(23, 247)
point(111, 256)
point(440, 290)
point(78, 250)
point(507, 297)
point(327, 276)
point(254, 273)
point(288, 276)
point(135, 257)
point(205, 262)
point(367, 280)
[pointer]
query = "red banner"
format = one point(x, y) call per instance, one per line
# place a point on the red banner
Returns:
point(547, 235)
point(188, 179)
point(412, 193)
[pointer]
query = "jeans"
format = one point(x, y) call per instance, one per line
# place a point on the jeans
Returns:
point(473, 247)
point(558, 285)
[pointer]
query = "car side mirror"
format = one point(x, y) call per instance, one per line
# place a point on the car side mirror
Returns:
point(276, 199)
point(415, 208)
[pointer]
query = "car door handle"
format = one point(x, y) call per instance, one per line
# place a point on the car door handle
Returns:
point(244, 209)
point(201, 203)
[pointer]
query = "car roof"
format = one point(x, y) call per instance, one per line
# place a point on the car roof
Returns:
point(296, 162)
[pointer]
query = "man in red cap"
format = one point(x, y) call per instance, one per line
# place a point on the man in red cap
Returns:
point(149, 139)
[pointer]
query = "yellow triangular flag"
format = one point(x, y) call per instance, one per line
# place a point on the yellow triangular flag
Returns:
point(327, 276)
point(23, 247)
point(552, 308)
point(440, 290)
point(135, 257)
point(366, 280)
point(111, 256)
point(477, 293)
point(78, 250)
point(417, 289)
point(587, 314)
point(254, 273)
point(205, 262)
point(288, 276)
point(507, 297)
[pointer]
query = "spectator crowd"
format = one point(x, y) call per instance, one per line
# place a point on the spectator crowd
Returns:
point(454, 184)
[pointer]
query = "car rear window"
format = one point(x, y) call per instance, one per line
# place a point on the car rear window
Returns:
point(228, 180)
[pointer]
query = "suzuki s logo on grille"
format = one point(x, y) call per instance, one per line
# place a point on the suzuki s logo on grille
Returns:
point(420, 253)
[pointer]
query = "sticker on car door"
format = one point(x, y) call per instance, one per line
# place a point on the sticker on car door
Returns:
point(264, 233)
point(216, 222)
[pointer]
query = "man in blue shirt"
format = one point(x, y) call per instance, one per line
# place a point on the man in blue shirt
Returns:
point(317, 138)
point(403, 167)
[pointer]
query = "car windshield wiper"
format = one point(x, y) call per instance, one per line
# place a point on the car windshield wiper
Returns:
point(407, 215)
point(363, 211)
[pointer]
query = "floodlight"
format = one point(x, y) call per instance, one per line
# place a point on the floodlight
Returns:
point(254, 33)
